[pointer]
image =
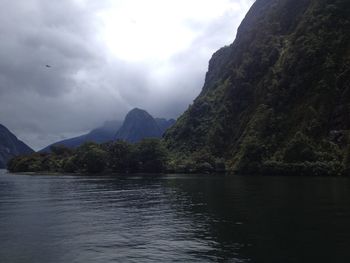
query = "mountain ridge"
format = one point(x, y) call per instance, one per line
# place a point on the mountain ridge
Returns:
point(102, 134)
point(142, 125)
point(10, 146)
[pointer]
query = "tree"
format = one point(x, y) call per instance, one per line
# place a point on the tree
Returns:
point(252, 157)
point(119, 156)
point(299, 149)
point(60, 149)
point(150, 155)
point(91, 158)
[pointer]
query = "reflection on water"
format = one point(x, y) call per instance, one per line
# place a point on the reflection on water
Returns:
point(173, 218)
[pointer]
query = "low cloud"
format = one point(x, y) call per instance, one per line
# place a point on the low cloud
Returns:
point(60, 78)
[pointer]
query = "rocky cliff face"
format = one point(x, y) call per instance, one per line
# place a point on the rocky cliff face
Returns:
point(280, 94)
point(10, 146)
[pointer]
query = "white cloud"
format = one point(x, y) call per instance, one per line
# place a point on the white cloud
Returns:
point(106, 57)
point(137, 30)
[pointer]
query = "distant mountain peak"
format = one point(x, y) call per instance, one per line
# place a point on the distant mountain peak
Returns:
point(137, 113)
point(139, 124)
point(135, 110)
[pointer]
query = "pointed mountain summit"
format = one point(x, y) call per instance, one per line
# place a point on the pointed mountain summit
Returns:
point(139, 124)
point(10, 146)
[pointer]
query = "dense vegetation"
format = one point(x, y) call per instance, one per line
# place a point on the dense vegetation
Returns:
point(276, 101)
point(147, 156)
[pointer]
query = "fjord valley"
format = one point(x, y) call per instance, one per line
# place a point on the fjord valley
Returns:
point(274, 102)
point(253, 168)
point(129, 146)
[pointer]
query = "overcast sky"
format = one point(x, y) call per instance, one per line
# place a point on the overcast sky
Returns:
point(106, 57)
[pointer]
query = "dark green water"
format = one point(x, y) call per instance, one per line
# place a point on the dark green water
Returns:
point(175, 218)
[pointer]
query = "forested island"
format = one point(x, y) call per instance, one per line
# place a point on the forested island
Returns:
point(146, 156)
point(275, 102)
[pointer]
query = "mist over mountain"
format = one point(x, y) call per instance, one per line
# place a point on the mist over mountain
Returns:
point(138, 125)
point(276, 101)
point(10, 146)
point(99, 135)
point(104, 57)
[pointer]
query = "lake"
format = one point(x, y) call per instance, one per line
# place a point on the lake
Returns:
point(173, 218)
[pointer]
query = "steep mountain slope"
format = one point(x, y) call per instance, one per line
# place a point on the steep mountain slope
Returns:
point(139, 124)
point(10, 146)
point(164, 124)
point(278, 98)
point(100, 135)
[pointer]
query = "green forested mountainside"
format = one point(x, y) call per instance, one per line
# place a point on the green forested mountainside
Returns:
point(278, 99)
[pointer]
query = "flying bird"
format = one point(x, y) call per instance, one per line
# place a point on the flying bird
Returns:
point(48, 66)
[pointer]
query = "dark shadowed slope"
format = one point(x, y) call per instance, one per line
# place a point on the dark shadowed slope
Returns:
point(10, 146)
point(164, 124)
point(100, 135)
point(139, 124)
point(278, 96)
